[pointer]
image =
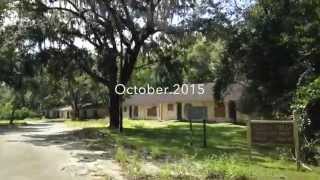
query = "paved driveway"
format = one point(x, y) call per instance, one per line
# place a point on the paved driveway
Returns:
point(27, 154)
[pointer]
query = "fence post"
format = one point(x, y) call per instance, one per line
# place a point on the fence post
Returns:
point(296, 142)
point(249, 138)
point(191, 131)
point(204, 133)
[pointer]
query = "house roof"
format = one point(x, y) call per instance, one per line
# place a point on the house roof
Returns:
point(93, 106)
point(190, 95)
point(234, 91)
point(83, 106)
point(65, 108)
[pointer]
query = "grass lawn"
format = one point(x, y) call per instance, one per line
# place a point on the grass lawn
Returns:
point(162, 150)
point(16, 123)
point(19, 122)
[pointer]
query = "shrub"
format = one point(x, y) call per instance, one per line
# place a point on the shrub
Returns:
point(121, 156)
point(20, 114)
point(5, 111)
point(24, 113)
point(306, 108)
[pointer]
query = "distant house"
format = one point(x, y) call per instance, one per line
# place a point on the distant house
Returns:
point(87, 111)
point(186, 106)
point(59, 113)
point(65, 112)
point(93, 111)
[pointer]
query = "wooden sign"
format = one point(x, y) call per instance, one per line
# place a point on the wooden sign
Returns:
point(272, 132)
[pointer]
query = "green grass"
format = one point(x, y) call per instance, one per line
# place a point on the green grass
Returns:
point(99, 123)
point(18, 122)
point(167, 146)
point(5, 123)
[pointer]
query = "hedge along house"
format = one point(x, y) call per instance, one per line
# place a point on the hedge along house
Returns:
point(185, 106)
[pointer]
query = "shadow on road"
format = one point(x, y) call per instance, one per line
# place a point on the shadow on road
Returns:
point(86, 145)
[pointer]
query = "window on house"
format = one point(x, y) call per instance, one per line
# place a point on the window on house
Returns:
point(125, 109)
point(170, 107)
point(152, 111)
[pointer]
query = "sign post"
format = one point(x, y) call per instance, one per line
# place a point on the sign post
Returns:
point(297, 145)
point(204, 133)
point(273, 132)
point(197, 114)
point(191, 132)
point(249, 138)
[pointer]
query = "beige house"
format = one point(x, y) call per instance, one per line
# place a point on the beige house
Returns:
point(62, 112)
point(186, 106)
point(65, 112)
point(51, 114)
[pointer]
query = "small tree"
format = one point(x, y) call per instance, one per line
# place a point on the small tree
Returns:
point(17, 67)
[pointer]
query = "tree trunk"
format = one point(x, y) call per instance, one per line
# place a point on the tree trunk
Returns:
point(12, 117)
point(114, 106)
point(75, 104)
point(76, 113)
point(121, 114)
point(114, 110)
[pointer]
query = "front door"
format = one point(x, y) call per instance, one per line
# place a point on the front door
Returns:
point(179, 111)
point(232, 111)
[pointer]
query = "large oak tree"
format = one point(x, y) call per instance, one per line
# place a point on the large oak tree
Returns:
point(115, 29)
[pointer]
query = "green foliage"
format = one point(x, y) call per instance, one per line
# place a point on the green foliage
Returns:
point(9, 102)
point(306, 108)
point(24, 113)
point(121, 156)
point(202, 60)
point(5, 111)
point(306, 94)
point(272, 50)
point(19, 114)
point(191, 60)
point(18, 65)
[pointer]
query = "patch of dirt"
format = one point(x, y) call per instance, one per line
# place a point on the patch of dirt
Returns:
point(150, 169)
